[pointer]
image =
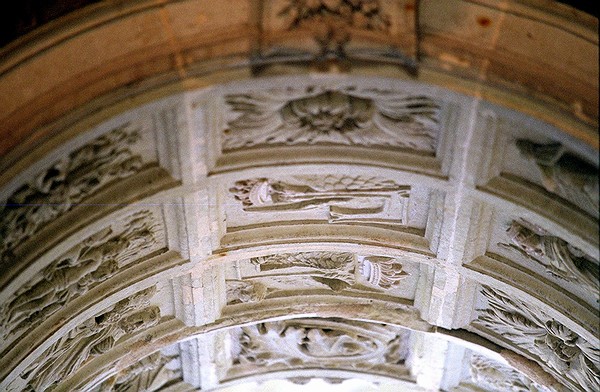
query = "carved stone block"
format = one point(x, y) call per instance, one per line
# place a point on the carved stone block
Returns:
point(320, 343)
point(150, 374)
point(337, 198)
point(553, 345)
point(560, 259)
point(91, 338)
point(336, 271)
point(319, 115)
point(84, 266)
point(339, 30)
point(66, 183)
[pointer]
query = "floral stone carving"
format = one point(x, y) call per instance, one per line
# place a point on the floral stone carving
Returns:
point(321, 343)
point(93, 337)
point(66, 183)
point(555, 346)
point(564, 174)
point(345, 198)
point(559, 257)
point(74, 273)
point(342, 117)
point(150, 374)
point(495, 377)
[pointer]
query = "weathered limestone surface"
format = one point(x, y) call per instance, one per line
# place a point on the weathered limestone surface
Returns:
point(334, 208)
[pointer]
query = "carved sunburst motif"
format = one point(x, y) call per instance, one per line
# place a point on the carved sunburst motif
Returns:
point(328, 116)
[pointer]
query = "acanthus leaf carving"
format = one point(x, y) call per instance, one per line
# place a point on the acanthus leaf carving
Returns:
point(93, 337)
point(66, 183)
point(342, 117)
point(564, 174)
point(564, 352)
point(346, 198)
point(93, 261)
point(324, 343)
point(558, 257)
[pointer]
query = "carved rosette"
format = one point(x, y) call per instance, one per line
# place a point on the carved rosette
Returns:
point(66, 183)
point(566, 354)
point(315, 115)
point(320, 343)
point(560, 259)
point(90, 339)
point(80, 269)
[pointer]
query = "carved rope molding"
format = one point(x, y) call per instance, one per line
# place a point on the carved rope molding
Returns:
point(349, 116)
point(568, 356)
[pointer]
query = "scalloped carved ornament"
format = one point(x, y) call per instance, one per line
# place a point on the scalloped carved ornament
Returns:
point(564, 174)
point(66, 183)
point(93, 337)
point(558, 257)
point(565, 353)
point(340, 117)
point(346, 198)
point(328, 343)
point(93, 261)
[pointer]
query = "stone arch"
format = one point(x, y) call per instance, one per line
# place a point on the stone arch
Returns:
point(280, 202)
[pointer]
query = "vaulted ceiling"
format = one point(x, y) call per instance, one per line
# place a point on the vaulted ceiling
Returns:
point(198, 194)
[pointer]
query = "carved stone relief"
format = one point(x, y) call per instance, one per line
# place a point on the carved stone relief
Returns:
point(91, 338)
point(320, 343)
point(566, 354)
point(66, 183)
point(564, 174)
point(495, 377)
point(332, 23)
point(94, 260)
point(345, 199)
point(151, 374)
point(316, 115)
point(337, 271)
point(560, 259)
point(245, 291)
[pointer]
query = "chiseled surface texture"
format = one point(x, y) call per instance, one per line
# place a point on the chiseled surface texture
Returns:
point(217, 195)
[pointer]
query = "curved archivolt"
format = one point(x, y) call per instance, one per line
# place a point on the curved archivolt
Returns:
point(301, 227)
